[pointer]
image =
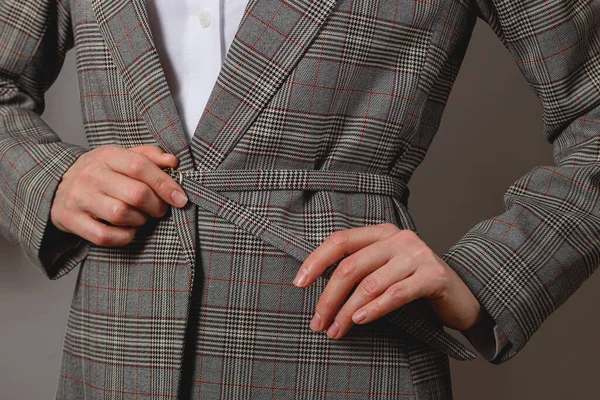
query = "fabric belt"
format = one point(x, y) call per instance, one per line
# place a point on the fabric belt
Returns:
point(202, 187)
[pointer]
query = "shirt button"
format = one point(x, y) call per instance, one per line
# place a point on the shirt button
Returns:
point(204, 19)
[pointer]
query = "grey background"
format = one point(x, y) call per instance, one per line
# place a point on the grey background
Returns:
point(490, 136)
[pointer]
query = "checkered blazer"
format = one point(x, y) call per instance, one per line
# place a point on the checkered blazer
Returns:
point(321, 112)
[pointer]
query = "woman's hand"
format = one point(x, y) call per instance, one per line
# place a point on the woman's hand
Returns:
point(110, 191)
point(392, 267)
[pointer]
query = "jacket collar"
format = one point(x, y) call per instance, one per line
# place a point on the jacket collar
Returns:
point(272, 36)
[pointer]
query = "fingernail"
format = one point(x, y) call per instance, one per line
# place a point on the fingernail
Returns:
point(179, 198)
point(359, 316)
point(315, 324)
point(301, 277)
point(333, 330)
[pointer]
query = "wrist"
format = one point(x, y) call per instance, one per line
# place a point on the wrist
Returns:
point(480, 318)
point(483, 321)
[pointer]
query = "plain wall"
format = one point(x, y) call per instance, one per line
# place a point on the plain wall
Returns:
point(490, 136)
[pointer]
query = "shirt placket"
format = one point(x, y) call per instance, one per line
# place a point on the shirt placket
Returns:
point(203, 46)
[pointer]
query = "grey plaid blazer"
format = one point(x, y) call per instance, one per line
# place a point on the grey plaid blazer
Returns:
point(322, 111)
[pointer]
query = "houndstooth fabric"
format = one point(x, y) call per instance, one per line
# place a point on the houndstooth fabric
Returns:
point(200, 304)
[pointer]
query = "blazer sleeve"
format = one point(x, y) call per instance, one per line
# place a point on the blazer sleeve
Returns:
point(524, 263)
point(34, 37)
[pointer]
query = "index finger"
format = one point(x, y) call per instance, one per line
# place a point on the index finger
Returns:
point(141, 168)
point(338, 245)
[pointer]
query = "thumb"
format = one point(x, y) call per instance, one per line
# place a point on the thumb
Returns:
point(157, 156)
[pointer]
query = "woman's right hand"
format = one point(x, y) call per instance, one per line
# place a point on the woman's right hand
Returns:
point(110, 191)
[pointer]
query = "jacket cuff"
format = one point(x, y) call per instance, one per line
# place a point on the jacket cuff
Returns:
point(54, 252)
point(487, 338)
point(477, 261)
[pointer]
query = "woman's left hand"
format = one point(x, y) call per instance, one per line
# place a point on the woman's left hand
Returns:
point(392, 267)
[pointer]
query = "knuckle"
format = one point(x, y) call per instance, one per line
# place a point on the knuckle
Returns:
point(138, 194)
point(424, 253)
point(377, 306)
point(101, 237)
point(127, 237)
point(102, 152)
point(86, 158)
point(369, 286)
point(161, 183)
point(72, 197)
point(397, 293)
point(119, 212)
point(339, 238)
point(59, 215)
point(347, 268)
point(87, 172)
point(326, 302)
point(137, 165)
point(406, 235)
point(388, 227)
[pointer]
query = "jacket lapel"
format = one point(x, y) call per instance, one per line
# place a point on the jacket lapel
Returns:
point(124, 26)
point(272, 36)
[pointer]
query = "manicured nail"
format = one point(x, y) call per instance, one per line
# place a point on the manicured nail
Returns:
point(301, 277)
point(315, 324)
point(333, 330)
point(359, 316)
point(179, 198)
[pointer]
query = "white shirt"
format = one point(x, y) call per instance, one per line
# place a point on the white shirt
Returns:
point(192, 38)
